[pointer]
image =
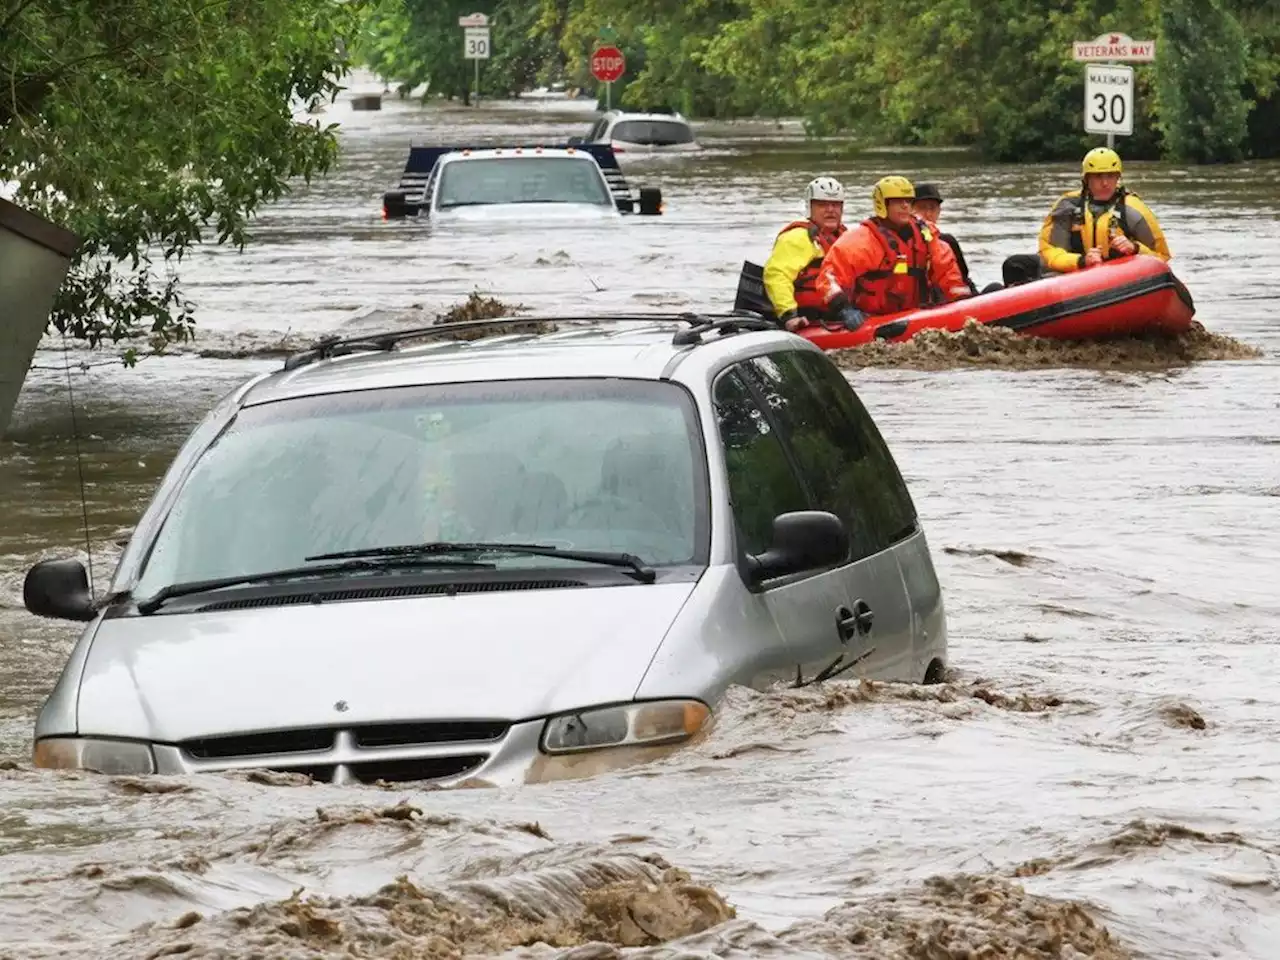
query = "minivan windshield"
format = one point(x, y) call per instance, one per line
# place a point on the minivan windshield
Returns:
point(522, 179)
point(587, 464)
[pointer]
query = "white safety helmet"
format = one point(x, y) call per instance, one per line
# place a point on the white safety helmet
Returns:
point(824, 188)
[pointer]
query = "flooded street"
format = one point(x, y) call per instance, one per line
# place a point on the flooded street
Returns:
point(1108, 542)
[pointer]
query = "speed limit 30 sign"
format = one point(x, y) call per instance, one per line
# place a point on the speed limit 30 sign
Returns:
point(1108, 99)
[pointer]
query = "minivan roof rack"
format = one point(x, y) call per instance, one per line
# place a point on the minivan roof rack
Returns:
point(724, 324)
point(332, 346)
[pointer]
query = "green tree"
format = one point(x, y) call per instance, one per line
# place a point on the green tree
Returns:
point(996, 74)
point(148, 126)
point(1203, 115)
point(1260, 21)
point(524, 54)
point(673, 56)
point(417, 42)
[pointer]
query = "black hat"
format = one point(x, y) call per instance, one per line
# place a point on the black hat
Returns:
point(928, 191)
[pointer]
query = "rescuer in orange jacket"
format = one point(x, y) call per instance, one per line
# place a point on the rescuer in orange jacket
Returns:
point(889, 262)
point(791, 272)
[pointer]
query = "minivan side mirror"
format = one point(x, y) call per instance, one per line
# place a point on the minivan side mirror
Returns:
point(802, 540)
point(59, 589)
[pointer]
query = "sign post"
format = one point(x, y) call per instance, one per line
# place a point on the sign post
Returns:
point(607, 65)
point(475, 43)
point(1108, 89)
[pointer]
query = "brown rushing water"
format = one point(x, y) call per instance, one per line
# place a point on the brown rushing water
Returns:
point(1100, 775)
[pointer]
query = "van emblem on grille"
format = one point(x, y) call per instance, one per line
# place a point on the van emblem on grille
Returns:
point(341, 706)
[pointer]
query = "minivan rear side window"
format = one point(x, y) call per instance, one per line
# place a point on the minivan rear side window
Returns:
point(761, 481)
point(840, 453)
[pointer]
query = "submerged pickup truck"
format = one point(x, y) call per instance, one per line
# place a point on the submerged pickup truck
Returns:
point(535, 180)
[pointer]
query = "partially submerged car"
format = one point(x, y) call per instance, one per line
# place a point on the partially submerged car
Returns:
point(651, 132)
point(513, 559)
point(542, 182)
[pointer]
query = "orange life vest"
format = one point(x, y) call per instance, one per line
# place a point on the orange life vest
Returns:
point(808, 302)
point(902, 281)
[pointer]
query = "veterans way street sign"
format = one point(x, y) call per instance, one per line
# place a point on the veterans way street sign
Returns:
point(1108, 88)
point(1114, 46)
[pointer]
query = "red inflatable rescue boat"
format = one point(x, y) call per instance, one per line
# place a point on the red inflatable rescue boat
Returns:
point(1135, 295)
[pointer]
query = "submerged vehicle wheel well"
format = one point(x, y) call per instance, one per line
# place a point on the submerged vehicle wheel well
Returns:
point(936, 672)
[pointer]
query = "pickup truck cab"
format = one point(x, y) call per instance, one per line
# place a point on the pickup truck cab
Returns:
point(535, 181)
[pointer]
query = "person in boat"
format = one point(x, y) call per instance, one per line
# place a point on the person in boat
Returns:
point(791, 272)
point(1100, 221)
point(889, 262)
point(928, 207)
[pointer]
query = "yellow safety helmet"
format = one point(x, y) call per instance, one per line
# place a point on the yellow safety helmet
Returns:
point(891, 188)
point(1100, 160)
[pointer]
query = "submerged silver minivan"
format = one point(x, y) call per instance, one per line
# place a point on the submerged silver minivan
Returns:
point(514, 559)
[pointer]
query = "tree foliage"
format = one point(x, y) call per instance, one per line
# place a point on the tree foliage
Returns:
point(1204, 117)
point(149, 126)
point(419, 42)
point(996, 74)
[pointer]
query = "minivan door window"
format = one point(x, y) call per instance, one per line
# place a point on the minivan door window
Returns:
point(841, 455)
point(762, 483)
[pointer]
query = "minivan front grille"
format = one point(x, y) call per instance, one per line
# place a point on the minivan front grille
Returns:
point(368, 753)
point(260, 744)
point(400, 734)
point(419, 768)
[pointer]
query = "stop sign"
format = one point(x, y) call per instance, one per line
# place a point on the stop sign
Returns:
point(607, 64)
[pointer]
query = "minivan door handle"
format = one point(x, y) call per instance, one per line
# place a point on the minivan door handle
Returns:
point(857, 622)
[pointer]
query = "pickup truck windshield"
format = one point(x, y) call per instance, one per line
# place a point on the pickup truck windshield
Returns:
point(522, 179)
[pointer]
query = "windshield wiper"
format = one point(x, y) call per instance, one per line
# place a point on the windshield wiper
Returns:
point(642, 571)
point(153, 602)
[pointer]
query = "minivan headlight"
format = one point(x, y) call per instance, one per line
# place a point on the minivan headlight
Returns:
point(656, 722)
point(117, 757)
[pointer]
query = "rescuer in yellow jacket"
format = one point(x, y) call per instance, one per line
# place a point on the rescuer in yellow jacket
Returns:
point(791, 272)
point(1101, 221)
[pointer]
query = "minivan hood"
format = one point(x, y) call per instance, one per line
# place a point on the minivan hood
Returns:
point(498, 655)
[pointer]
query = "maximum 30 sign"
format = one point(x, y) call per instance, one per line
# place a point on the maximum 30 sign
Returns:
point(1108, 99)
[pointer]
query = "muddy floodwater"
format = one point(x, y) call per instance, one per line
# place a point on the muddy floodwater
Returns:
point(1100, 777)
